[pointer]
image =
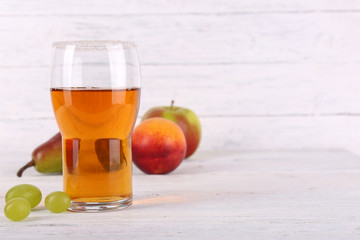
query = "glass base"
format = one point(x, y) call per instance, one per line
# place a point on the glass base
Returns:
point(100, 206)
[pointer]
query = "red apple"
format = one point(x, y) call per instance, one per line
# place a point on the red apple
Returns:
point(158, 146)
point(185, 118)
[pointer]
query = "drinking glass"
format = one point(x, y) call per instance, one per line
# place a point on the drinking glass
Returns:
point(95, 93)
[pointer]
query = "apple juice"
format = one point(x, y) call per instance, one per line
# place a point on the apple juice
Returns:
point(96, 126)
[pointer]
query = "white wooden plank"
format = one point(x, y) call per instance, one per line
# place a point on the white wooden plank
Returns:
point(248, 90)
point(242, 133)
point(191, 39)
point(265, 90)
point(170, 7)
point(281, 133)
point(217, 195)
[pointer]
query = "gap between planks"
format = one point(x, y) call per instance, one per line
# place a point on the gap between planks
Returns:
point(224, 116)
point(76, 15)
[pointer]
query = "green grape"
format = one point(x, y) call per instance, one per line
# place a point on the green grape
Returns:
point(17, 209)
point(27, 191)
point(57, 201)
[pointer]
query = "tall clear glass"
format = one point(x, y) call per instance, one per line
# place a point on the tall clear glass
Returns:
point(95, 93)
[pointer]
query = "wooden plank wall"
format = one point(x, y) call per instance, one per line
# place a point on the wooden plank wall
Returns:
point(263, 74)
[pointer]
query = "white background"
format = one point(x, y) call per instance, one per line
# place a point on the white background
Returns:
point(260, 74)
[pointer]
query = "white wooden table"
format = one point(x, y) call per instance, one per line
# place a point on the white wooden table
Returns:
point(214, 195)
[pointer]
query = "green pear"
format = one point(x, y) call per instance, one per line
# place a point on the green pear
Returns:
point(46, 158)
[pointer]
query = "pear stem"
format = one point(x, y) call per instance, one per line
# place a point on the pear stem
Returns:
point(21, 170)
point(172, 104)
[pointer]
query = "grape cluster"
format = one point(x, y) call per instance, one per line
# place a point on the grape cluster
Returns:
point(21, 198)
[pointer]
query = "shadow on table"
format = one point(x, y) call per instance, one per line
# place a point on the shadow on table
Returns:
point(39, 208)
point(206, 163)
point(162, 201)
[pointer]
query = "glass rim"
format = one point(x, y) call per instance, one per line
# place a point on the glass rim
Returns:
point(94, 44)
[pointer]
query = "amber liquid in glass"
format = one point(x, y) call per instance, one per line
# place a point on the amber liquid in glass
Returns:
point(96, 125)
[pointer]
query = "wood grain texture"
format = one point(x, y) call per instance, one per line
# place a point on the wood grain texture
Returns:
point(260, 74)
point(218, 194)
point(189, 39)
point(211, 91)
point(93, 7)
